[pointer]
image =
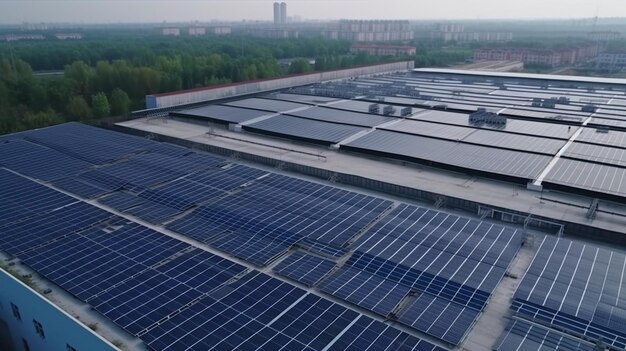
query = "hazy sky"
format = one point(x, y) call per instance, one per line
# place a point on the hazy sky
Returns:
point(17, 11)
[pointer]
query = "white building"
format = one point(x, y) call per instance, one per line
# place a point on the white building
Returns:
point(173, 31)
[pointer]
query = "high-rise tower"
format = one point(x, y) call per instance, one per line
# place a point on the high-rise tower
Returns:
point(283, 13)
point(277, 16)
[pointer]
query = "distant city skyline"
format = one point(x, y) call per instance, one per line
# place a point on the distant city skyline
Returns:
point(101, 11)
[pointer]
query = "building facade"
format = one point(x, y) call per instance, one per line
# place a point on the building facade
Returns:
point(170, 31)
point(551, 58)
point(196, 31)
point(68, 36)
point(383, 50)
point(611, 60)
point(221, 30)
point(371, 31)
point(456, 32)
point(30, 322)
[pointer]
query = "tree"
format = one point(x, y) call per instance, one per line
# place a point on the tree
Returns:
point(82, 75)
point(299, 66)
point(120, 102)
point(100, 105)
point(78, 109)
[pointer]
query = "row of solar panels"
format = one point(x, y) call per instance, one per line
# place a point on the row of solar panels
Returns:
point(570, 298)
point(520, 149)
point(412, 255)
point(170, 294)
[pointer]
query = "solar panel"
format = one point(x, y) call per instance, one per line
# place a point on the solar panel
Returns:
point(153, 212)
point(575, 288)
point(26, 235)
point(23, 198)
point(227, 179)
point(600, 178)
point(39, 162)
point(304, 129)
point(451, 263)
point(122, 201)
point(365, 290)
point(304, 268)
point(80, 187)
point(264, 220)
point(228, 317)
point(330, 250)
point(342, 117)
point(467, 156)
point(525, 336)
point(143, 300)
point(535, 128)
point(268, 104)
point(220, 113)
point(367, 334)
point(94, 145)
point(443, 319)
point(596, 153)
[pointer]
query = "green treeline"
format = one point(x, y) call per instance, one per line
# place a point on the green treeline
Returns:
point(110, 77)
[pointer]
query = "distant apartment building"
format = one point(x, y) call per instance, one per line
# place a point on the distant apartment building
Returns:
point(26, 26)
point(221, 30)
point(171, 31)
point(383, 50)
point(19, 37)
point(611, 60)
point(550, 58)
point(450, 27)
point(274, 33)
point(68, 36)
point(280, 13)
point(456, 32)
point(196, 31)
point(371, 31)
point(604, 35)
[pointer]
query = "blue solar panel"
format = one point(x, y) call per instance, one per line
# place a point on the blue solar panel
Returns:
point(227, 179)
point(304, 268)
point(38, 230)
point(39, 162)
point(577, 289)
point(442, 319)
point(122, 201)
point(453, 262)
point(94, 145)
point(23, 198)
point(201, 270)
point(330, 250)
point(80, 187)
point(228, 317)
point(365, 290)
point(153, 212)
point(525, 336)
point(263, 220)
point(313, 322)
point(181, 194)
point(370, 335)
point(143, 300)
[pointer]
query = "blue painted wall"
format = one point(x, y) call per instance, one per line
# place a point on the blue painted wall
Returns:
point(60, 329)
point(151, 101)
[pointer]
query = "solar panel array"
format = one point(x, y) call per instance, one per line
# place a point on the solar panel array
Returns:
point(263, 221)
point(541, 118)
point(574, 289)
point(221, 114)
point(446, 266)
point(173, 295)
point(451, 153)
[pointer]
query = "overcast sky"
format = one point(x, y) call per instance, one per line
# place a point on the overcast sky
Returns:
point(87, 11)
